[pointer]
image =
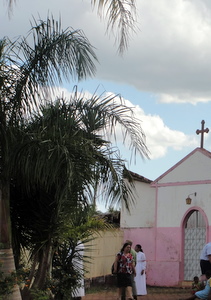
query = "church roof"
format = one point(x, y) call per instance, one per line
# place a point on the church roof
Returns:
point(140, 178)
point(201, 151)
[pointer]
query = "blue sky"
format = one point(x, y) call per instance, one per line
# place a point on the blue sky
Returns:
point(165, 74)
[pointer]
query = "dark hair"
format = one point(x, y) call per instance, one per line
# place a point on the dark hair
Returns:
point(195, 278)
point(129, 242)
point(139, 247)
point(208, 273)
point(124, 246)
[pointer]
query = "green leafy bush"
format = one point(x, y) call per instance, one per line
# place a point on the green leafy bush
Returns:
point(39, 295)
point(6, 284)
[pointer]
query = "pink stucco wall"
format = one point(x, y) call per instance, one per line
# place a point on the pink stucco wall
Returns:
point(162, 247)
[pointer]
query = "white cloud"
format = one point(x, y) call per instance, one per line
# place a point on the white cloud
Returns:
point(169, 55)
point(183, 98)
point(159, 137)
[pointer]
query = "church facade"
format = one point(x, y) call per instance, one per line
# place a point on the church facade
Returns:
point(171, 219)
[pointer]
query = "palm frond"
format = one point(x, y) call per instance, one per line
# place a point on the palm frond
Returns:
point(105, 113)
point(121, 15)
point(56, 55)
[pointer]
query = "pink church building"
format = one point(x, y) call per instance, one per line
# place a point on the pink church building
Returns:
point(171, 219)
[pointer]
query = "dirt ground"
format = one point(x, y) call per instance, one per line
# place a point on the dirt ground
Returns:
point(153, 293)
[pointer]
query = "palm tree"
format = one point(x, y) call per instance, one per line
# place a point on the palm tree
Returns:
point(27, 74)
point(54, 169)
point(120, 15)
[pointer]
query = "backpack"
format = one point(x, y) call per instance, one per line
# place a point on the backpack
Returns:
point(118, 263)
point(112, 269)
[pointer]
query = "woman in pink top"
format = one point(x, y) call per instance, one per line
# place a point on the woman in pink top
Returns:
point(124, 267)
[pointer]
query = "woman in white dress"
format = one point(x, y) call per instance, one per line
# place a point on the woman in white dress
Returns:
point(140, 278)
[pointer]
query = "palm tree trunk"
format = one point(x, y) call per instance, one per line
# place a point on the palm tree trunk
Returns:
point(5, 227)
point(6, 252)
point(26, 290)
point(44, 266)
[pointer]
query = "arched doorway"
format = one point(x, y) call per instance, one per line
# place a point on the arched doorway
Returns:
point(194, 240)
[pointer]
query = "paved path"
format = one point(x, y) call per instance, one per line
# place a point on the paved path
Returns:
point(153, 294)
